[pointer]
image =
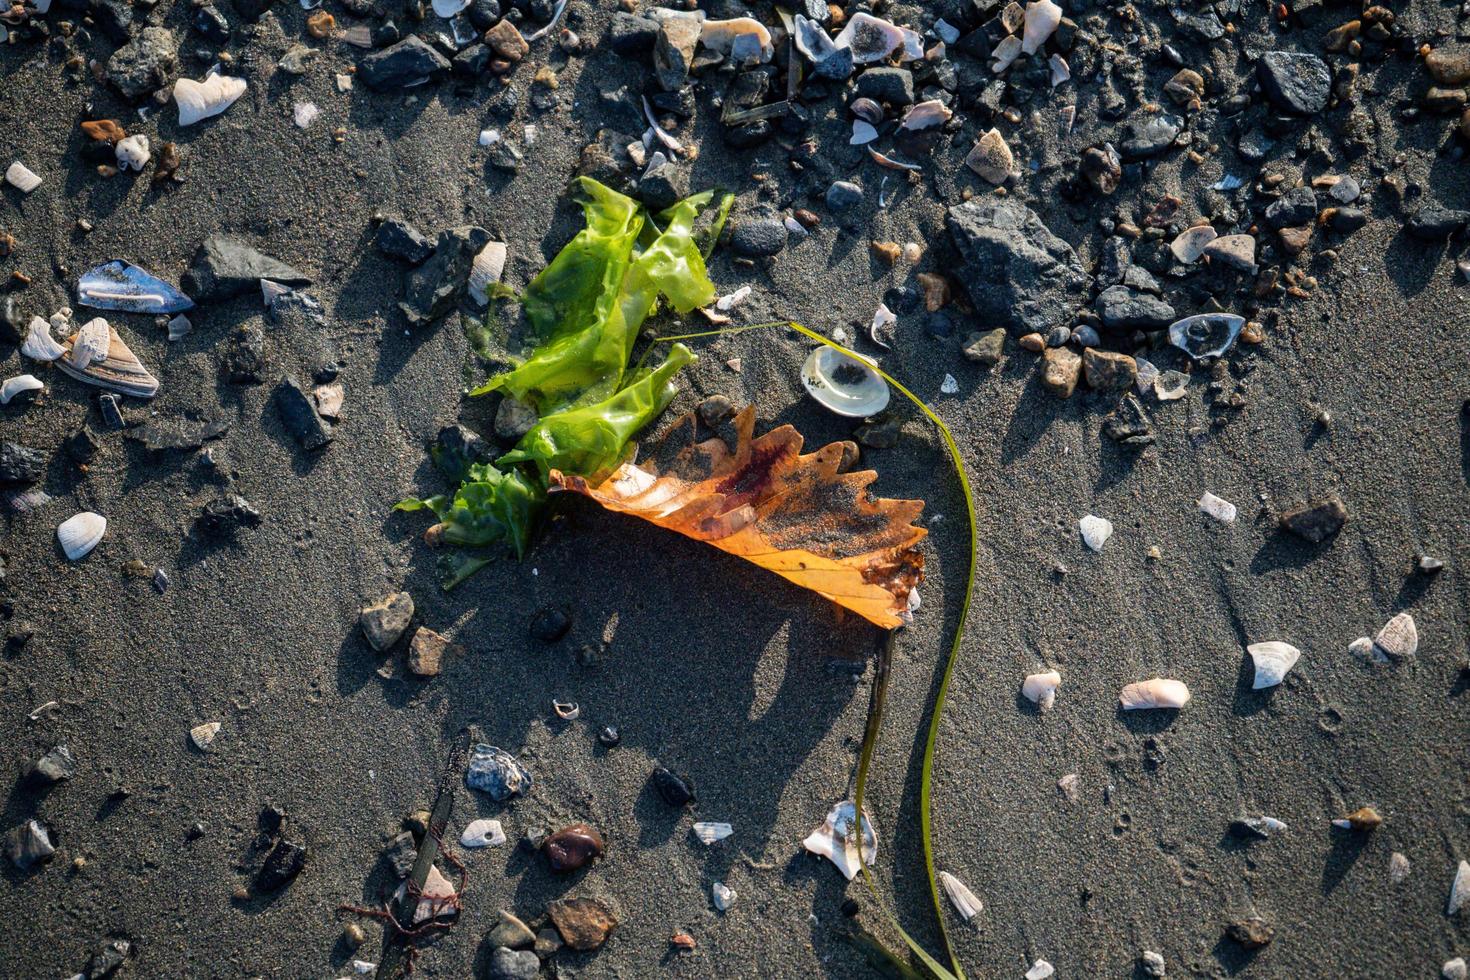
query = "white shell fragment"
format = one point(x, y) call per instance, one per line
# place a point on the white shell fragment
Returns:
point(1190, 244)
point(835, 839)
point(925, 115)
point(881, 330)
point(1157, 692)
point(201, 100)
point(844, 384)
point(1041, 689)
point(872, 39)
point(486, 270)
point(712, 832)
point(1454, 969)
point(304, 114)
point(133, 152)
point(1398, 868)
point(722, 895)
point(39, 345)
point(1459, 889)
point(90, 344)
point(22, 178)
point(18, 385)
point(862, 133)
point(729, 301)
point(722, 36)
point(80, 533)
point(179, 327)
point(448, 8)
point(1399, 638)
point(483, 833)
point(1042, 19)
point(1040, 970)
point(1095, 531)
point(1005, 54)
point(203, 735)
point(950, 385)
point(963, 900)
point(991, 157)
point(1219, 508)
point(1061, 72)
point(1273, 660)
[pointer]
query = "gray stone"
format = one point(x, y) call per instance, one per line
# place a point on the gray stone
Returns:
point(146, 63)
point(28, 844)
point(987, 347)
point(844, 195)
point(673, 52)
point(385, 621)
point(1015, 270)
point(513, 419)
point(632, 36)
point(431, 290)
point(510, 964)
point(511, 933)
point(107, 960)
point(20, 464)
point(759, 238)
point(55, 766)
point(299, 415)
point(1294, 82)
point(1129, 424)
point(663, 187)
point(894, 86)
point(1316, 521)
point(1150, 137)
point(1122, 308)
point(225, 267)
point(400, 240)
point(401, 852)
point(1297, 206)
point(409, 62)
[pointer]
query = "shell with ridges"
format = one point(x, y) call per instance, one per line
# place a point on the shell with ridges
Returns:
point(1399, 638)
point(1041, 689)
point(1459, 889)
point(39, 345)
point(963, 900)
point(1272, 659)
point(486, 270)
point(836, 839)
point(90, 344)
point(80, 533)
point(118, 370)
point(1041, 22)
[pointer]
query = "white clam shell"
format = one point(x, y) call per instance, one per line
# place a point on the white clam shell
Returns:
point(712, 832)
point(1156, 692)
point(21, 177)
point(483, 833)
point(1459, 889)
point(203, 736)
point(871, 38)
point(1095, 531)
point(201, 100)
point(1454, 969)
point(836, 839)
point(722, 895)
point(133, 152)
point(843, 384)
point(1042, 19)
point(90, 344)
point(963, 900)
point(39, 345)
point(1273, 659)
point(1190, 243)
point(18, 385)
point(486, 270)
point(1399, 638)
point(1041, 689)
point(1217, 507)
point(80, 533)
point(1040, 970)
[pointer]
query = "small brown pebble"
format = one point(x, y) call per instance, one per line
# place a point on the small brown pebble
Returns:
point(104, 130)
point(1364, 818)
point(808, 219)
point(1252, 933)
point(426, 652)
point(584, 923)
point(167, 163)
point(1252, 333)
point(7, 244)
point(320, 24)
point(1034, 342)
point(19, 278)
point(886, 251)
point(339, 135)
point(683, 941)
point(572, 847)
point(936, 290)
point(106, 170)
point(240, 893)
point(417, 823)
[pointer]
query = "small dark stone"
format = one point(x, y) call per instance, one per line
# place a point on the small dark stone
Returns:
point(473, 61)
point(715, 409)
point(400, 854)
point(272, 820)
point(456, 449)
point(10, 325)
point(28, 844)
point(1297, 206)
point(675, 790)
point(1347, 220)
point(749, 135)
point(252, 10)
point(1435, 222)
point(1252, 933)
point(632, 36)
point(484, 13)
point(844, 195)
point(211, 24)
point(1297, 83)
point(282, 865)
point(550, 624)
point(851, 908)
point(409, 62)
point(610, 737)
point(225, 267)
point(55, 766)
point(572, 847)
point(245, 359)
point(881, 434)
point(432, 290)
point(674, 48)
point(1129, 424)
point(1017, 272)
point(82, 445)
point(1150, 137)
point(1123, 308)
point(225, 516)
point(299, 415)
point(759, 238)
point(1102, 167)
point(511, 964)
point(107, 960)
point(835, 67)
point(20, 464)
point(894, 86)
point(663, 187)
point(1317, 521)
point(111, 414)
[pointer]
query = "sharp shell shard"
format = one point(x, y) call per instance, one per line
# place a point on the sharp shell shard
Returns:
point(991, 157)
point(1095, 531)
point(883, 330)
point(1190, 243)
point(836, 839)
point(448, 8)
point(712, 832)
point(133, 153)
point(198, 101)
point(120, 285)
point(203, 736)
point(80, 533)
point(1219, 508)
point(963, 900)
point(22, 178)
point(483, 833)
point(1206, 334)
point(863, 133)
point(1005, 54)
point(39, 345)
point(843, 384)
point(90, 344)
point(497, 773)
point(17, 386)
point(1157, 692)
point(486, 271)
point(926, 115)
point(721, 35)
point(1459, 889)
point(1041, 22)
point(871, 39)
point(812, 41)
point(118, 370)
point(1273, 660)
point(1041, 689)
point(722, 895)
point(1399, 638)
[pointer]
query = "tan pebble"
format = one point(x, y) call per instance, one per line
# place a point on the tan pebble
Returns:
point(912, 251)
point(1034, 342)
point(320, 24)
point(887, 251)
point(936, 291)
point(1252, 333)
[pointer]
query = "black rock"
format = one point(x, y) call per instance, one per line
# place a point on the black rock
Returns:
point(484, 13)
point(146, 63)
point(299, 415)
point(663, 187)
point(550, 624)
point(1317, 521)
point(82, 445)
point(245, 359)
point(758, 238)
point(115, 17)
point(272, 820)
point(400, 854)
point(432, 290)
point(505, 157)
point(111, 413)
point(107, 960)
point(844, 195)
point(409, 62)
point(455, 449)
point(632, 36)
point(749, 135)
point(282, 865)
point(472, 61)
point(1347, 220)
point(674, 789)
point(1435, 222)
point(1297, 206)
point(20, 464)
point(55, 766)
point(10, 325)
point(211, 24)
point(170, 434)
point(1297, 83)
point(225, 516)
point(609, 737)
point(679, 103)
point(894, 86)
point(251, 10)
point(1150, 137)
point(1017, 273)
point(1129, 425)
point(400, 240)
point(1125, 308)
point(835, 67)
point(225, 267)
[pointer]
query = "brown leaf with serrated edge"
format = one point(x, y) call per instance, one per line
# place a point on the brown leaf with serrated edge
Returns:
point(792, 514)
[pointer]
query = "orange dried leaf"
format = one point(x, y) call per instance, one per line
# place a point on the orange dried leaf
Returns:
point(792, 514)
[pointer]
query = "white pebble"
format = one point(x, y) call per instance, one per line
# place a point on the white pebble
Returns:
point(22, 178)
point(1217, 507)
point(1398, 868)
point(1454, 969)
point(305, 113)
point(949, 386)
point(724, 896)
point(1095, 531)
point(483, 833)
point(1040, 970)
point(489, 137)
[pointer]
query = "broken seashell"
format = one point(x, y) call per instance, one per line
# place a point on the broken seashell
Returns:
point(1399, 638)
point(812, 41)
point(39, 345)
point(722, 895)
point(201, 100)
point(1362, 648)
point(1363, 819)
point(871, 39)
point(18, 385)
point(203, 735)
point(1157, 692)
point(304, 114)
point(1256, 827)
point(1206, 334)
point(22, 178)
point(1190, 243)
point(1170, 386)
point(1398, 868)
point(1041, 22)
point(483, 833)
point(950, 385)
point(720, 35)
point(729, 301)
point(882, 330)
point(835, 839)
point(80, 533)
point(133, 152)
point(1041, 689)
point(1459, 889)
point(991, 157)
point(90, 344)
point(1066, 116)
point(1005, 54)
point(1040, 970)
point(1061, 73)
point(1217, 507)
point(844, 384)
point(118, 370)
point(867, 110)
point(883, 160)
point(1095, 531)
point(179, 327)
point(862, 133)
point(663, 135)
point(712, 832)
point(448, 8)
point(436, 899)
point(566, 710)
point(963, 900)
point(925, 115)
point(1272, 659)
point(486, 271)
point(119, 285)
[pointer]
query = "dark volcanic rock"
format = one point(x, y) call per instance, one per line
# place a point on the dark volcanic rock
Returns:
point(632, 36)
point(251, 10)
point(1435, 222)
point(400, 854)
point(147, 62)
point(431, 290)
point(894, 86)
point(298, 413)
point(1124, 308)
point(1016, 271)
point(1150, 137)
point(409, 62)
point(165, 434)
point(55, 766)
point(1297, 206)
point(282, 865)
point(1296, 83)
point(107, 960)
point(758, 238)
point(225, 267)
point(401, 240)
point(245, 359)
point(675, 789)
point(663, 187)
point(1317, 521)
point(225, 516)
point(211, 24)
point(20, 464)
